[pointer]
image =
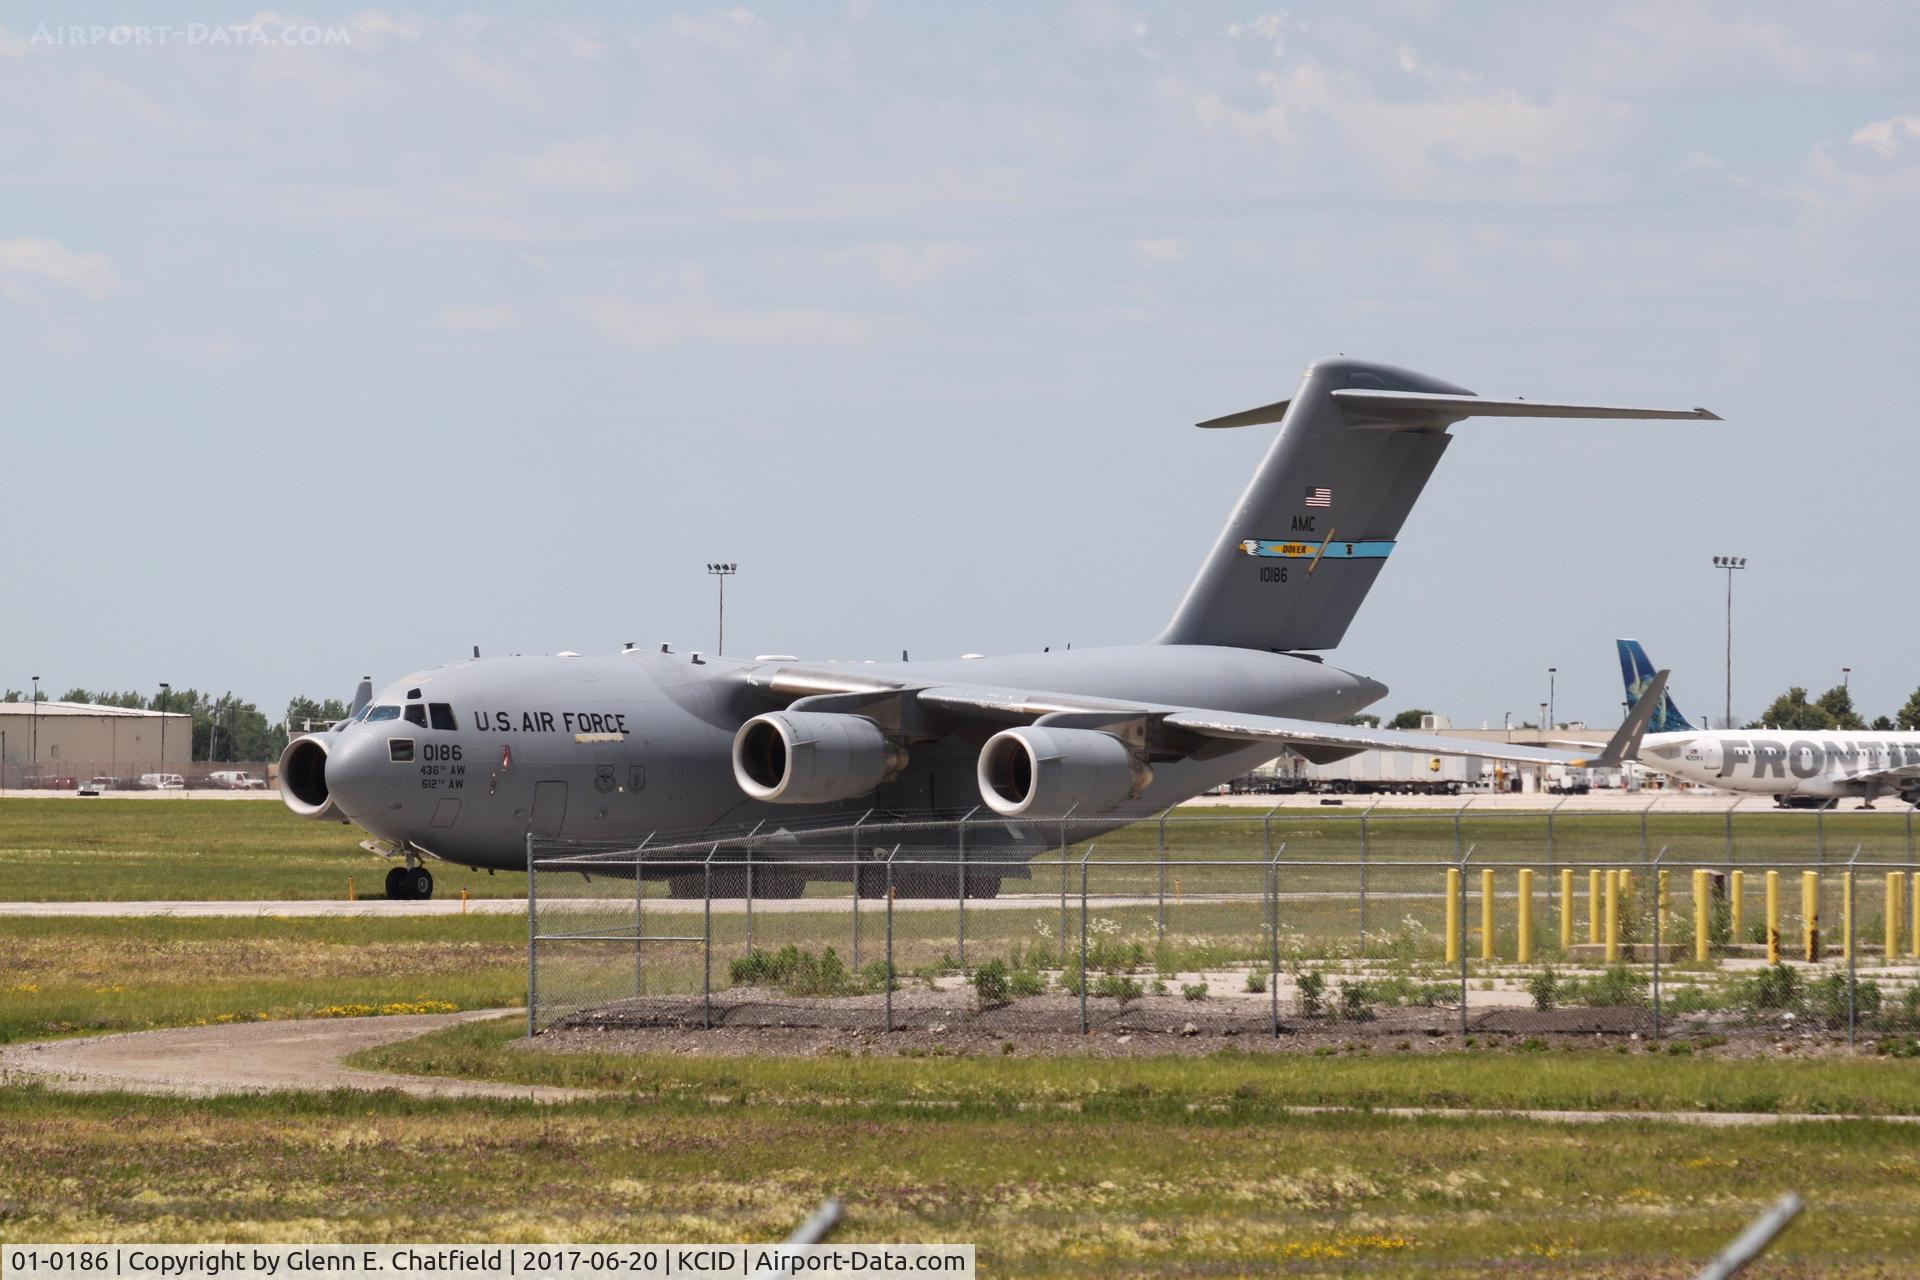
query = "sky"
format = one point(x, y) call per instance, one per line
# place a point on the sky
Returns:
point(335, 341)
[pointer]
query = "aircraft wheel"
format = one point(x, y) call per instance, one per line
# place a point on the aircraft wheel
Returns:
point(395, 889)
point(685, 886)
point(419, 884)
point(870, 882)
point(983, 886)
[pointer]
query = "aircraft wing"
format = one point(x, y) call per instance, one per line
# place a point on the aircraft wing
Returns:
point(1172, 729)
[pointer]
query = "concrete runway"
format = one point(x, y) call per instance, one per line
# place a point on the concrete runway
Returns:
point(382, 907)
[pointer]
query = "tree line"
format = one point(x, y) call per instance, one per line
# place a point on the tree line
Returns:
point(225, 727)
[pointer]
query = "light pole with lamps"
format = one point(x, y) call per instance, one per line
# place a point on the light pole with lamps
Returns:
point(1729, 563)
point(36, 724)
point(1550, 677)
point(162, 700)
point(722, 572)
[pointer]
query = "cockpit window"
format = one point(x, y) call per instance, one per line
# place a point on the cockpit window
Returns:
point(416, 714)
point(442, 715)
point(382, 713)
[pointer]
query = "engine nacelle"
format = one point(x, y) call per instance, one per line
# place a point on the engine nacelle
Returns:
point(1035, 772)
point(813, 757)
point(303, 780)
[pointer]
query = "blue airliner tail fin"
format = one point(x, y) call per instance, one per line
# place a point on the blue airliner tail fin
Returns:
point(1637, 672)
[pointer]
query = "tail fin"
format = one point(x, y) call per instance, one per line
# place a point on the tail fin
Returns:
point(1636, 671)
point(1314, 528)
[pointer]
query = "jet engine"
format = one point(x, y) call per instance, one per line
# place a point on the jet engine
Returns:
point(813, 757)
point(1035, 772)
point(303, 780)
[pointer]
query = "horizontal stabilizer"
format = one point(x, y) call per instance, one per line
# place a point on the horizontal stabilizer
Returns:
point(1423, 409)
point(1250, 417)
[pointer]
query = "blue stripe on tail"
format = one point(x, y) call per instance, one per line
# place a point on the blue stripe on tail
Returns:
point(1636, 672)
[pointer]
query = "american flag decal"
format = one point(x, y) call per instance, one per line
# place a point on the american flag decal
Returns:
point(1319, 497)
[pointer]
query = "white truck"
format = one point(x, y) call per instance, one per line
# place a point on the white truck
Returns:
point(235, 780)
point(1395, 773)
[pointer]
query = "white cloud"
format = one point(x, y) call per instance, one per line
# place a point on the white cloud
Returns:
point(1154, 253)
point(1886, 137)
point(692, 315)
point(909, 264)
point(28, 263)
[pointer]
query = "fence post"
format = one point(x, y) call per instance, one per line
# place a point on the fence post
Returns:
point(856, 887)
point(1273, 939)
point(963, 887)
point(639, 921)
point(1846, 915)
point(1266, 831)
point(1064, 818)
point(1460, 912)
point(706, 949)
point(1658, 900)
point(1083, 938)
point(1456, 827)
point(1909, 833)
point(750, 894)
point(889, 983)
point(1160, 912)
point(1363, 875)
point(1643, 828)
point(1730, 852)
point(1550, 813)
point(1820, 832)
point(533, 943)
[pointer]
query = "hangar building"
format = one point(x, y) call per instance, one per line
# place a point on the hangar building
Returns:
point(60, 740)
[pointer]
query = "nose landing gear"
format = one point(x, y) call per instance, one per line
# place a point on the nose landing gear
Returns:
point(409, 884)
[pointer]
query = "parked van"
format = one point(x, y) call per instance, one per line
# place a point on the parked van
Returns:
point(162, 782)
point(234, 780)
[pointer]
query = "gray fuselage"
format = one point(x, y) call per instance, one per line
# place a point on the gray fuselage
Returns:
point(465, 761)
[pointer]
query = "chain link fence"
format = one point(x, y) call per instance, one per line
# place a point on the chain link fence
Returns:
point(1277, 923)
point(108, 776)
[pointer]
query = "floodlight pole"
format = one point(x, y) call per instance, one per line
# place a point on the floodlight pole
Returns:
point(1729, 563)
point(36, 724)
point(722, 572)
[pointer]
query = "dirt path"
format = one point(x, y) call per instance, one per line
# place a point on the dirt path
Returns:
point(253, 1057)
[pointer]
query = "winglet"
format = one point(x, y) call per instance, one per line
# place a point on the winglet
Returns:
point(1625, 743)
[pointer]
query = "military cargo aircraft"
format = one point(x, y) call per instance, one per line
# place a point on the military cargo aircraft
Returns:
point(1799, 768)
point(468, 761)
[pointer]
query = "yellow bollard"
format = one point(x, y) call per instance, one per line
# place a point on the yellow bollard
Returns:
point(1913, 925)
point(1736, 888)
point(463, 902)
point(1453, 915)
point(1661, 897)
point(1891, 917)
point(1523, 950)
point(1566, 909)
point(1613, 917)
point(1593, 906)
point(1810, 914)
point(1176, 888)
point(1702, 914)
point(349, 888)
point(1846, 915)
point(1626, 890)
point(1773, 917)
point(1486, 914)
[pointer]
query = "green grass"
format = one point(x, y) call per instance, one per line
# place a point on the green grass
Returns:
point(133, 850)
point(59, 977)
point(1253, 1086)
point(1128, 1182)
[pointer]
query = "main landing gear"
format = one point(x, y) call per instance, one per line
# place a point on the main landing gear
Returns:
point(410, 884)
